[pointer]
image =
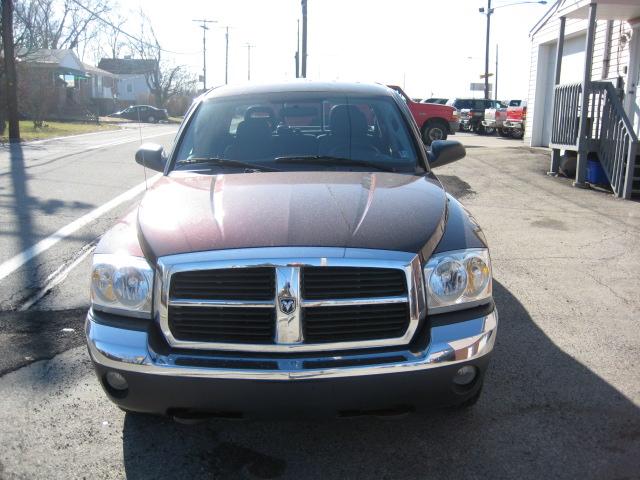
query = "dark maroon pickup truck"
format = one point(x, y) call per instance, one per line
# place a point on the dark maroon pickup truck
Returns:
point(297, 257)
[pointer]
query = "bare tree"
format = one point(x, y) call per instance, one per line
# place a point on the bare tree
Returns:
point(167, 79)
point(58, 23)
point(114, 38)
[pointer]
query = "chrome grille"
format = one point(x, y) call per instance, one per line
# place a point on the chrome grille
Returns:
point(233, 300)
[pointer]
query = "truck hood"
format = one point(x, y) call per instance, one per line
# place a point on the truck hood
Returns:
point(189, 212)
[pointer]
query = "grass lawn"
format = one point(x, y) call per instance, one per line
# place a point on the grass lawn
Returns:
point(56, 129)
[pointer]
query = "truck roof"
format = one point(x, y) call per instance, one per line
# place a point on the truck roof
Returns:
point(300, 85)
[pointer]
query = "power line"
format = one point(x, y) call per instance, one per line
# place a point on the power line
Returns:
point(126, 34)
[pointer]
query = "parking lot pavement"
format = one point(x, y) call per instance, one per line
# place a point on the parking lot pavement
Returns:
point(473, 140)
point(561, 399)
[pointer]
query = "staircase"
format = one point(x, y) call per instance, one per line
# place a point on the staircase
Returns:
point(609, 133)
point(635, 184)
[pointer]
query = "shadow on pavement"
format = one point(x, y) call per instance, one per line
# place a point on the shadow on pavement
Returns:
point(542, 415)
point(26, 337)
point(24, 207)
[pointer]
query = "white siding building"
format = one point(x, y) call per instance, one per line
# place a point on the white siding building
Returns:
point(610, 52)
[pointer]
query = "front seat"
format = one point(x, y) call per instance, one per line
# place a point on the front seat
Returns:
point(253, 141)
point(348, 133)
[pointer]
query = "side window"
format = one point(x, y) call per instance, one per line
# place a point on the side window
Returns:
point(479, 105)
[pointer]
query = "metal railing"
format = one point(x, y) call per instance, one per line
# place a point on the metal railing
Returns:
point(618, 143)
point(566, 114)
point(608, 130)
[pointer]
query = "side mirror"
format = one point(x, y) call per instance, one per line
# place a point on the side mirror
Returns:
point(151, 155)
point(445, 151)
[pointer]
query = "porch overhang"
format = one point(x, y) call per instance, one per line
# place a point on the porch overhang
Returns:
point(607, 9)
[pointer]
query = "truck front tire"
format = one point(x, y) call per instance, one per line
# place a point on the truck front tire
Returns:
point(434, 130)
point(517, 133)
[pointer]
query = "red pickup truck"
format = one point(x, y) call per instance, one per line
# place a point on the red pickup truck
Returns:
point(435, 121)
point(513, 125)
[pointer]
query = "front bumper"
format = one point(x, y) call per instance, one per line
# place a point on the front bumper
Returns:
point(513, 124)
point(258, 385)
point(492, 123)
point(454, 126)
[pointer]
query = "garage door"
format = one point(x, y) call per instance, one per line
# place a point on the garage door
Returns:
point(573, 59)
point(572, 69)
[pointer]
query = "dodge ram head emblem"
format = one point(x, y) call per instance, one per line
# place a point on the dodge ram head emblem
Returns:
point(287, 304)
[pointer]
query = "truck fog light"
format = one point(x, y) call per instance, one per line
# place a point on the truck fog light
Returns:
point(116, 381)
point(465, 375)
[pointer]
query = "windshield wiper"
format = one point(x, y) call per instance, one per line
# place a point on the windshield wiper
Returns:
point(227, 162)
point(329, 160)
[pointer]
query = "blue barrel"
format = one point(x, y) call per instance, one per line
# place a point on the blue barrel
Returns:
point(595, 173)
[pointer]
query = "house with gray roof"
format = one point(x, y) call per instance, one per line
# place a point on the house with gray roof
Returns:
point(132, 76)
point(59, 84)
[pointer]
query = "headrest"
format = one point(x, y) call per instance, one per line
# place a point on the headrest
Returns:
point(347, 118)
point(253, 128)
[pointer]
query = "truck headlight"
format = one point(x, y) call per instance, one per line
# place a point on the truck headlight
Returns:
point(121, 284)
point(457, 280)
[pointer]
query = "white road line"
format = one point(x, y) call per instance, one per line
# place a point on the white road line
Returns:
point(67, 137)
point(58, 276)
point(122, 142)
point(23, 257)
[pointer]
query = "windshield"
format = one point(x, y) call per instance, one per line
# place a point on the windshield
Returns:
point(309, 131)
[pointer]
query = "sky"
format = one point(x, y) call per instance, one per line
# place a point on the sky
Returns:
point(430, 47)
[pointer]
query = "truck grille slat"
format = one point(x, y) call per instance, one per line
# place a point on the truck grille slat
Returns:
point(224, 284)
point(330, 324)
point(319, 283)
point(222, 324)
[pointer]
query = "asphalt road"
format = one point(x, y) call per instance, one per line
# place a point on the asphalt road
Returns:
point(561, 400)
point(44, 187)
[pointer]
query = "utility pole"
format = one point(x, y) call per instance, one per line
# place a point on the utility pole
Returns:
point(304, 38)
point(297, 56)
point(10, 70)
point(486, 51)
point(226, 56)
point(488, 12)
point(248, 45)
point(495, 89)
point(204, 49)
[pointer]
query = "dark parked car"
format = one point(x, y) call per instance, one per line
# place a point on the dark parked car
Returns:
point(142, 113)
point(472, 113)
point(298, 255)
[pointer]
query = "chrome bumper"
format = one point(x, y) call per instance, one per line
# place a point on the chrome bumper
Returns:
point(492, 123)
point(129, 350)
